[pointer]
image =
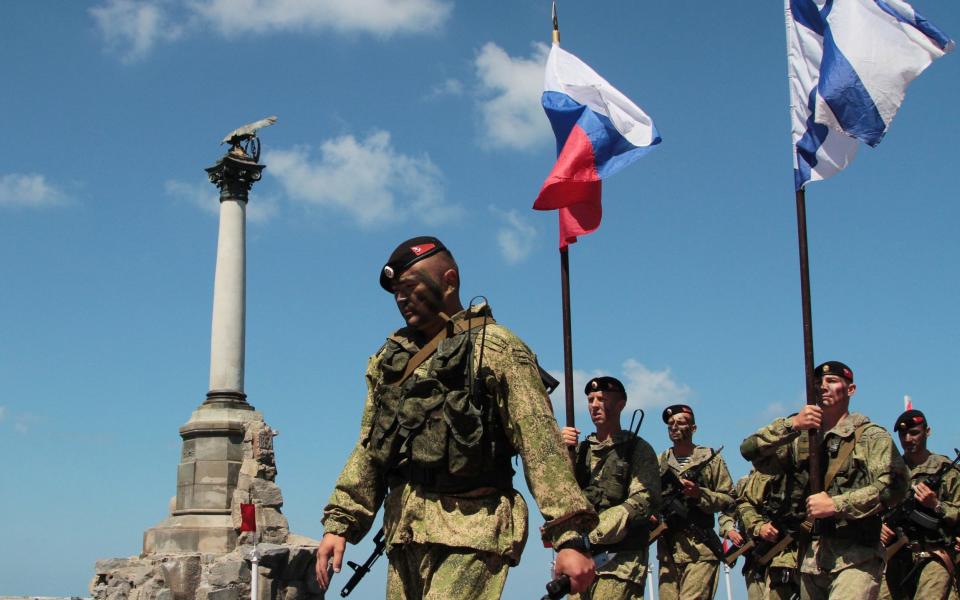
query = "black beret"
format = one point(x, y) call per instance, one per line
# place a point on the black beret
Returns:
point(834, 367)
point(676, 409)
point(605, 384)
point(405, 255)
point(908, 419)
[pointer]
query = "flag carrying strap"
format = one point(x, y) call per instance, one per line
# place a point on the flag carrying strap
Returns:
point(451, 328)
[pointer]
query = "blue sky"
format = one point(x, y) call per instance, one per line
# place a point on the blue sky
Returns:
point(405, 118)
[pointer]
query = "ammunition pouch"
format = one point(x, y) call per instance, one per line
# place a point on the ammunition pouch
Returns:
point(862, 531)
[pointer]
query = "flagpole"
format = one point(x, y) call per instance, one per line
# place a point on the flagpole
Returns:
point(567, 336)
point(816, 477)
point(565, 293)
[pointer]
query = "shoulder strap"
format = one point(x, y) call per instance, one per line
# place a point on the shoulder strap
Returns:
point(846, 449)
point(427, 351)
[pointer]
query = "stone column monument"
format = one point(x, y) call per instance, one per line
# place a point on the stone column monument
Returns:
point(227, 457)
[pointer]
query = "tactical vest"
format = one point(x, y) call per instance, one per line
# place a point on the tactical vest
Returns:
point(611, 486)
point(441, 429)
point(850, 475)
point(784, 498)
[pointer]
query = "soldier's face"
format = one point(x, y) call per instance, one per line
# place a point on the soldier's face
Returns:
point(680, 427)
point(914, 439)
point(835, 391)
point(419, 298)
point(605, 407)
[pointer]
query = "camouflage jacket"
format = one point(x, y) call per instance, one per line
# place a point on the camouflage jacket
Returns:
point(875, 461)
point(642, 501)
point(716, 489)
point(485, 519)
point(751, 503)
point(949, 492)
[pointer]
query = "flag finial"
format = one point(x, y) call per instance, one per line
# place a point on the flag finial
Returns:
point(556, 25)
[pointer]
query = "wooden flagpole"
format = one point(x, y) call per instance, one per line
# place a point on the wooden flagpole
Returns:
point(816, 476)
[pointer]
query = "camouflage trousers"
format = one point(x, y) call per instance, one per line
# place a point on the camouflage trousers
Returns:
point(611, 588)
point(434, 572)
point(859, 582)
point(688, 581)
point(756, 589)
point(931, 581)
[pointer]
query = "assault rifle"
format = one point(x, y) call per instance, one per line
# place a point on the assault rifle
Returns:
point(360, 570)
point(908, 516)
point(675, 513)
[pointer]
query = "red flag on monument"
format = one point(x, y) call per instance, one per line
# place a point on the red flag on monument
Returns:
point(248, 517)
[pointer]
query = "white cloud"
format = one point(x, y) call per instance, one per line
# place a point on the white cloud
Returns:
point(448, 87)
point(29, 190)
point(515, 237)
point(366, 179)
point(647, 388)
point(133, 28)
point(379, 17)
point(510, 90)
point(774, 409)
point(206, 197)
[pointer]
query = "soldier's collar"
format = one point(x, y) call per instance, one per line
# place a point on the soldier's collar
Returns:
point(847, 425)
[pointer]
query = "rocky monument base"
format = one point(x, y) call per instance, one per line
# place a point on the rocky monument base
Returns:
point(218, 566)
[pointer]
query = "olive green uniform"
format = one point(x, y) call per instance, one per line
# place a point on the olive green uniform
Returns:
point(439, 462)
point(624, 487)
point(933, 578)
point(688, 569)
point(743, 516)
point(844, 559)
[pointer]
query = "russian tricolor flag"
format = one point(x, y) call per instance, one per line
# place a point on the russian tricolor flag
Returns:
point(599, 131)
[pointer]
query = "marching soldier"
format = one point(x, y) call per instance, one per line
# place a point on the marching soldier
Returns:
point(689, 551)
point(742, 516)
point(617, 471)
point(863, 472)
point(923, 527)
point(452, 397)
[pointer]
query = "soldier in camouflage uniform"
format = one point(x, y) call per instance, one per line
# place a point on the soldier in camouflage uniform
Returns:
point(772, 506)
point(844, 558)
point(924, 567)
point(451, 398)
point(688, 568)
point(618, 472)
point(740, 516)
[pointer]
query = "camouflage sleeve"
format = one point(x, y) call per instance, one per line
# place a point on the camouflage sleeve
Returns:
point(727, 522)
point(643, 498)
point(889, 478)
point(528, 419)
point(950, 497)
point(766, 440)
point(717, 494)
point(749, 516)
point(360, 488)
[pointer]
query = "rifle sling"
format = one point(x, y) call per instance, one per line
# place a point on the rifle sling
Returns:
point(427, 351)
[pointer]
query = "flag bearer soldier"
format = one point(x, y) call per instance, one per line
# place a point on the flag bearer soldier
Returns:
point(924, 566)
point(451, 398)
point(689, 568)
point(617, 471)
point(863, 473)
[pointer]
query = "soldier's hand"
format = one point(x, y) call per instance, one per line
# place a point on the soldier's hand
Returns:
point(570, 435)
point(690, 488)
point(809, 417)
point(332, 545)
point(769, 533)
point(821, 506)
point(577, 566)
point(925, 496)
point(887, 535)
point(734, 536)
